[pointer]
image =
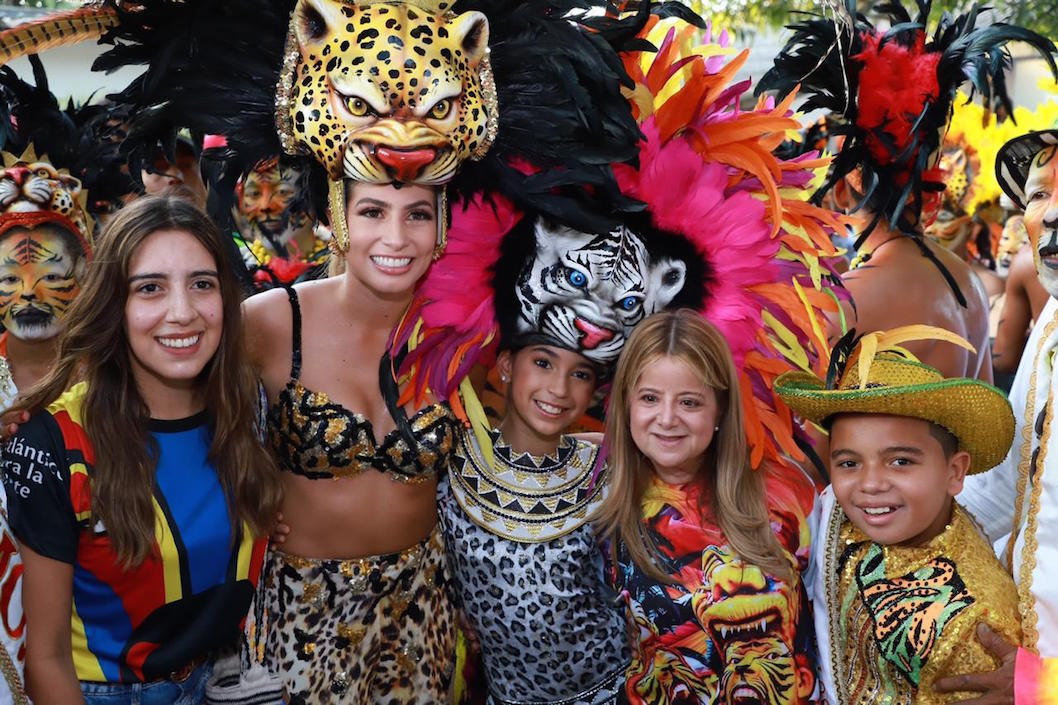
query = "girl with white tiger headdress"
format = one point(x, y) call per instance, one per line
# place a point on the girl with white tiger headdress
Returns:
point(721, 236)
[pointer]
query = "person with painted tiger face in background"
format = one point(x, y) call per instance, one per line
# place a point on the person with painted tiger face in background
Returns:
point(41, 265)
point(43, 252)
point(276, 223)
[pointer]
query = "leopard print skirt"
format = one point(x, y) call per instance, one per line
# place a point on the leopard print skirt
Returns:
point(373, 630)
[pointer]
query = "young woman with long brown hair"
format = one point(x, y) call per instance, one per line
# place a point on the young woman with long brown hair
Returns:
point(139, 489)
point(703, 551)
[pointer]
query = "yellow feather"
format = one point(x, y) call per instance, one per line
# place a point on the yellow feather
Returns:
point(416, 335)
point(479, 422)
point(890, 341)
point(868, 348)
point(786, 342)
point(817, 330)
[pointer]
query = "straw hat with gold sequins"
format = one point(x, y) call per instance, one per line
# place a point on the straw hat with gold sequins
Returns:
point(976, 413)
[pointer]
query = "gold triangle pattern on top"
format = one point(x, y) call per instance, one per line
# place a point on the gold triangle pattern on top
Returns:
point(530, 506)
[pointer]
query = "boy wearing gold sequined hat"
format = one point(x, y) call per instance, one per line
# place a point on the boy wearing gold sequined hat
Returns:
point(900, 574)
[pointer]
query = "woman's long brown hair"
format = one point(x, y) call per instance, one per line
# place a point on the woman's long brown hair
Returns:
point(734, 490)
point(94, 348)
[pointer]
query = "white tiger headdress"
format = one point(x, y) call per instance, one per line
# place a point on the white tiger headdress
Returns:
point(726, 231)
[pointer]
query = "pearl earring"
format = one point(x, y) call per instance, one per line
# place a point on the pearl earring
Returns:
point(715, 429)
point(503, 378)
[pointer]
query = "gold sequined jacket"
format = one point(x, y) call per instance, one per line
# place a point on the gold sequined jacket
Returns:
point(893, 620)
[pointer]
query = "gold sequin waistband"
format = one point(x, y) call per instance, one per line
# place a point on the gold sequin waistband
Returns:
point(432, 547)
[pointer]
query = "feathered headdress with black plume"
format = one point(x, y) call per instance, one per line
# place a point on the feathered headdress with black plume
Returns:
point(890, 93)
point(213, 66)
point(83, 140)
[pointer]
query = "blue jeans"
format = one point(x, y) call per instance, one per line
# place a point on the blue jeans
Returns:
point(188, 692)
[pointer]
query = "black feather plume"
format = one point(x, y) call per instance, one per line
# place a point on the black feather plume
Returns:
point(84, 140)
point(839, 357)
point(820, 58)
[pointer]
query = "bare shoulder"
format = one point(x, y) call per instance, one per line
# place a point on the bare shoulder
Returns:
point(871, 297)
point(266, 314)
point(1022, 269)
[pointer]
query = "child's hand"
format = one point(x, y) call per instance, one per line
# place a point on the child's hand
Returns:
point(279, 532)
point(470, 634)
point(10, 421)
point(996, 687)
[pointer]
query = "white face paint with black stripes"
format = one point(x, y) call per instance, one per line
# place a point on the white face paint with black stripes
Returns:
point(586, 292)
point(1041, 216)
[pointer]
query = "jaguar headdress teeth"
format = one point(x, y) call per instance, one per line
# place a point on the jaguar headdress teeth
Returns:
point(387, 91)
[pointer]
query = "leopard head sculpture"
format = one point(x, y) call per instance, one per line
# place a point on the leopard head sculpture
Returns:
point(384, 91)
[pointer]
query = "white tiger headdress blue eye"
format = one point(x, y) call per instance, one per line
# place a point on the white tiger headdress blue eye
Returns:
point(585, 292)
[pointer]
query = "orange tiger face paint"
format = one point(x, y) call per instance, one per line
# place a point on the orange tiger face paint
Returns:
point(39, 272)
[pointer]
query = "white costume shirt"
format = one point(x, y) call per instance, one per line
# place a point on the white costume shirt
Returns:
point(1018, 507)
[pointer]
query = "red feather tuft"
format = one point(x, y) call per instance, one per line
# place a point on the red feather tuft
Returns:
point(285, 270)
point(896, 84)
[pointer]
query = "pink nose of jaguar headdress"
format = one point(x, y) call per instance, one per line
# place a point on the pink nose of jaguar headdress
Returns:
point(405, 165)
point(594, 336)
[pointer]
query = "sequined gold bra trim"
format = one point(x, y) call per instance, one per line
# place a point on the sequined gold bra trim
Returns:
point(319, 439)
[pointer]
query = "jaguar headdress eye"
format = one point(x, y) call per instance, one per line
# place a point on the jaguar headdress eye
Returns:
point(358, 107)
point(441, 109)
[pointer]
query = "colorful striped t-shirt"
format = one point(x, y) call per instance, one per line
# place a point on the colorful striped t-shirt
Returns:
point(178, 606)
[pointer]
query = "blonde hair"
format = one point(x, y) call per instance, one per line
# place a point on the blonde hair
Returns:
point(734, 490)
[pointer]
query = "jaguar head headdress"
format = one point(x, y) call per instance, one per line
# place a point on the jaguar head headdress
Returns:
point(385, 91)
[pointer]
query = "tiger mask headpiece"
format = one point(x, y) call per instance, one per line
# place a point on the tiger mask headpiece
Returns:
point(29, 184)
point(383, 91)
point(582, 291)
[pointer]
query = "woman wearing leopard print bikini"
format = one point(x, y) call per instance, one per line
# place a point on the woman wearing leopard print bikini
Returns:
point(354, 605)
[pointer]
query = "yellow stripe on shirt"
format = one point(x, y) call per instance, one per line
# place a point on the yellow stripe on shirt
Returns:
point(169, 555)
point(84, 662)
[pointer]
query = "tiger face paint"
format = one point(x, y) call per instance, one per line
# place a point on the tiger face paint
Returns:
point(40, 270)
point(271, 207)
point(1041, 216)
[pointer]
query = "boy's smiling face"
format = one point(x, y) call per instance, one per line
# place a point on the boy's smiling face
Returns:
point(893, 477)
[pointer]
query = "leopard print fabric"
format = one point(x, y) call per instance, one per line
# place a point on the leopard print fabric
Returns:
point(550, 630)
point(373, 631)
point(386, 91)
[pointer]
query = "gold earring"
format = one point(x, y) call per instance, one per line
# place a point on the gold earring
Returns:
point(442, 223)
point(339, 243)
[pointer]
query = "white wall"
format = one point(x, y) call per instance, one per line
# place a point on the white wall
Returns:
point(69, 72)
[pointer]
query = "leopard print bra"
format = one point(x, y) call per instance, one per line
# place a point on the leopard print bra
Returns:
point(316, 438)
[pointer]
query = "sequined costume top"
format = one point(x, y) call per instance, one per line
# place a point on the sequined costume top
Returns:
point(900, 618)
point(723, 631)
point(529, 575)
point(317, 438)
